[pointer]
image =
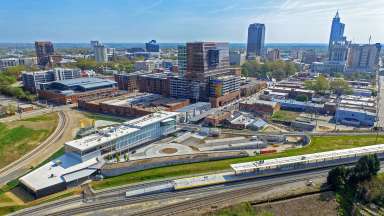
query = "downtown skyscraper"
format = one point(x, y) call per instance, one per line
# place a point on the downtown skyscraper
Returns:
point(337, 31)
point(256, 40)
point(44, 49)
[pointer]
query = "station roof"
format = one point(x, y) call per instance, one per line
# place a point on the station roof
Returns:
point(150, 119)
point(85, 83)
point(356, 110)
point(114, 132)
point(308, 158)
point(70, 168)
point(299, 103)
point(257, 101)
point(103, 136)
point(194, 106)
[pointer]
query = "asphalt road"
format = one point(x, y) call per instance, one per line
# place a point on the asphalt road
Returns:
point(35, 113)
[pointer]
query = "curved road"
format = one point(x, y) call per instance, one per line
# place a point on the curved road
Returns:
point(22, 165)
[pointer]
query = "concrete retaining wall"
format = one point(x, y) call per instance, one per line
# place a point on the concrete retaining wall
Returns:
point(114, 169)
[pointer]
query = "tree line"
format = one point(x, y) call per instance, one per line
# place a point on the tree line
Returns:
point(321, 85)
point(355, 184)
point(9, 85)
point(269, 70)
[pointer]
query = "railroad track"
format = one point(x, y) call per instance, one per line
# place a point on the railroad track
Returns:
point(179, 207)
point(99, 195)
point(25, 160)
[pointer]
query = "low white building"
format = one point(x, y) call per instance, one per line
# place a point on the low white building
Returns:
point(83, 157)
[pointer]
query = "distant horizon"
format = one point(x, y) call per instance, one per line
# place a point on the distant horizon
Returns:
point(127, 45)
point(286, 21)
point(160, 42)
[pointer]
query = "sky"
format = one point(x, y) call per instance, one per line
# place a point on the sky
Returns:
point(287, 21)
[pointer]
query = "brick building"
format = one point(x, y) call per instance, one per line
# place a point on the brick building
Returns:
point(133, 105)
point(129, 81)
point(259, 107)
point(157, 83)
point(73, 90)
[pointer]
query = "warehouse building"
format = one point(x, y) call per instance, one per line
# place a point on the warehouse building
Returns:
point(72, 90)
point(133, 104)
point(299, 106)
point(355, 117)
point(259, 107)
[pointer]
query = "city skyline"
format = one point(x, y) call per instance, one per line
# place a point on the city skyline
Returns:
point(167, 21)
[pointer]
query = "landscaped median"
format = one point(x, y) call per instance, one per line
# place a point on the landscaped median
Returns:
point(318, 144)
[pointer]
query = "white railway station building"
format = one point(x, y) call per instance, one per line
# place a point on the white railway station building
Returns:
point(83, 157)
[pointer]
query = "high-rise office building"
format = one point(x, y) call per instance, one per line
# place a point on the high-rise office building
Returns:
point(152, 46)
point(33, 80)
point(337, 31)
point(309, 56)
point(273, 55)
point(339, 51)
point(207, 59)
point(44, 49)
point(256, 40)
point(363, 58)
point(94, 43)
point(100, 53)
point(236, 58)
point(182, 59)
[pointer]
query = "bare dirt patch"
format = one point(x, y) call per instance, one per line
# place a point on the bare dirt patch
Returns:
point(169, 150)
point(323, 204)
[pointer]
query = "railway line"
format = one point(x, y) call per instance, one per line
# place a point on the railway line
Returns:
point(116, 197)
point(180, 208)
point(18, 167)
point(230, 188)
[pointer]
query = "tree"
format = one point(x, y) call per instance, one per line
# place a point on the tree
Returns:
point(277, 69)
point(6, 80)
point(302, 98)
point(10, 109)
point(86, 64)
point(340, 86)
point(365, 168)
point(15, 71)
point(337, 177)
point(319, 85)
point(374, 92)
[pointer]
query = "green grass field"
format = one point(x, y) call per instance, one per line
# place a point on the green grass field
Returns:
point(104, 117)
point(19, 137)
point(318, 144)
point(284, 115)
